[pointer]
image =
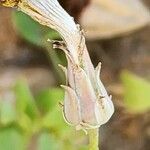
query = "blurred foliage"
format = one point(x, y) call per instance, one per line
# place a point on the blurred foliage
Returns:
point(11, 139)
point(137, 92)
point(7, 112)
point(23, 116)
point(47, 142)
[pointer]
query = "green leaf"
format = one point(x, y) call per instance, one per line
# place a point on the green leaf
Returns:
point(137, 92)
point(55, 121)
point(84, 148)
point(48, 142)
point(25, 123)
point(49, 98)
point(8, 112)
point(11, 139)
point(48, 102)
point(25, 102)
point(31, 30)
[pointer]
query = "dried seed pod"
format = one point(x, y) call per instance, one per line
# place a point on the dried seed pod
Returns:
point(87, 104)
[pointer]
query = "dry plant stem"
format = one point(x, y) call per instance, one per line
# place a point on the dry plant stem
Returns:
point(93, 139)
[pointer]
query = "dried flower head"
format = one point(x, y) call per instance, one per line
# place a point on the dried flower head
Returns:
point(87, 104)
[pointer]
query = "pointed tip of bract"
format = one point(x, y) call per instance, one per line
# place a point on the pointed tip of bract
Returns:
point(110, 96)
point(67, 88)
point(64, 69)
point(98, 67)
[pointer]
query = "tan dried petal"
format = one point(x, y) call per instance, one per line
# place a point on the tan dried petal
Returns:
point(71, 106)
